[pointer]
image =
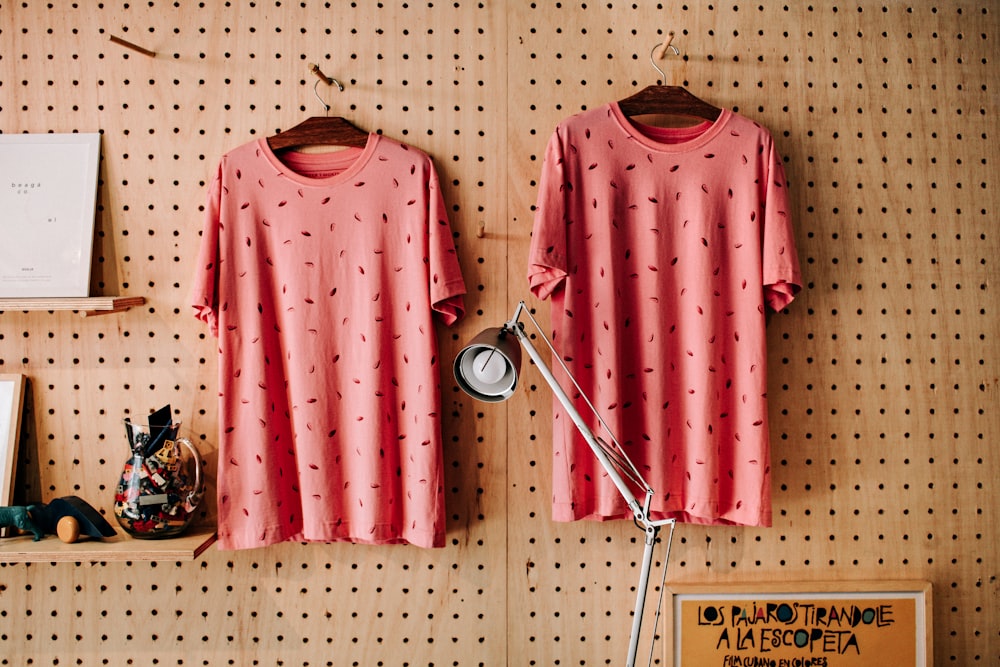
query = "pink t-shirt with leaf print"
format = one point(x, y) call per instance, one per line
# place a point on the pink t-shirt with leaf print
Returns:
point(660, 250)
point(320, 273)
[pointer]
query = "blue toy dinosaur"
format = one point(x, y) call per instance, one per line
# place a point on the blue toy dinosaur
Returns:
point(21, 518)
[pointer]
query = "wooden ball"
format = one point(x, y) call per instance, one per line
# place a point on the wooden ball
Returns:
point(68, 529)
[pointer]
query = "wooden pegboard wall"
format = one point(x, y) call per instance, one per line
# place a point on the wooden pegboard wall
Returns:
point(879, 411)
point(882, 381)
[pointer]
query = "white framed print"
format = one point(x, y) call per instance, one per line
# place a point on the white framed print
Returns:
point(11, 406)
point(48, 200)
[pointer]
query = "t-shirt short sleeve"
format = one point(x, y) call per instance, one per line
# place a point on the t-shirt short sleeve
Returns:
point(447, 286)
point(547, 266)
point(204, 289)
point(782, 279)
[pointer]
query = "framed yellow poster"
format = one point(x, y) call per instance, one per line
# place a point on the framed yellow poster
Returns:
point(808, 624)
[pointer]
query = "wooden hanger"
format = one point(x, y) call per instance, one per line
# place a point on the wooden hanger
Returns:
point(325, 130)
point(667, 100)
point(320, 130)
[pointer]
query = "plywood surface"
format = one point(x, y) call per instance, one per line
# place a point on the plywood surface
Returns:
point(883, 373)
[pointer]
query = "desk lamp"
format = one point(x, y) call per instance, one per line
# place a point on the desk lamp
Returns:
point(487, 369)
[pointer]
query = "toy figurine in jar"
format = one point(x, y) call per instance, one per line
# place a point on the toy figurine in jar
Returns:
point(161, 483)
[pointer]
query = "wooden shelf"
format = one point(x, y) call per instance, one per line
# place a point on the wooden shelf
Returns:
point(188, 546)
point(86, 305)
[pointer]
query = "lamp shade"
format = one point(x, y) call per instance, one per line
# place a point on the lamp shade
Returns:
point(487, 368)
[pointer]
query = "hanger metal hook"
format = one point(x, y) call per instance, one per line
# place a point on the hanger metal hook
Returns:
point(326, 107)
point(662, 48)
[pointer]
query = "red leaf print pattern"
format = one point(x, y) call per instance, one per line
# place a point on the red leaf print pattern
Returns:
point(672, 333)
point(285, 384)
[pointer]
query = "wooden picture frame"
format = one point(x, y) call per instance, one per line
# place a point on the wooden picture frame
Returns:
point(804, 624)
point(11, 406)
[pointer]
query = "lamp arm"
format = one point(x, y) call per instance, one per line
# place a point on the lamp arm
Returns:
point(639, 511)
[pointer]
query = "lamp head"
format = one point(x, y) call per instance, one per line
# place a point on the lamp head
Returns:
point(487, 368)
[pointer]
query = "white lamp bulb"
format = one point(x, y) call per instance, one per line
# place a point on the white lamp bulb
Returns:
point(489, 366)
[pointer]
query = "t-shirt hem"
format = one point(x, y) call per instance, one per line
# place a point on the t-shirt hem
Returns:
point(567, 512)
point(207, 315)
point(450, 306)
point(379, 535)
point(544, 280)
